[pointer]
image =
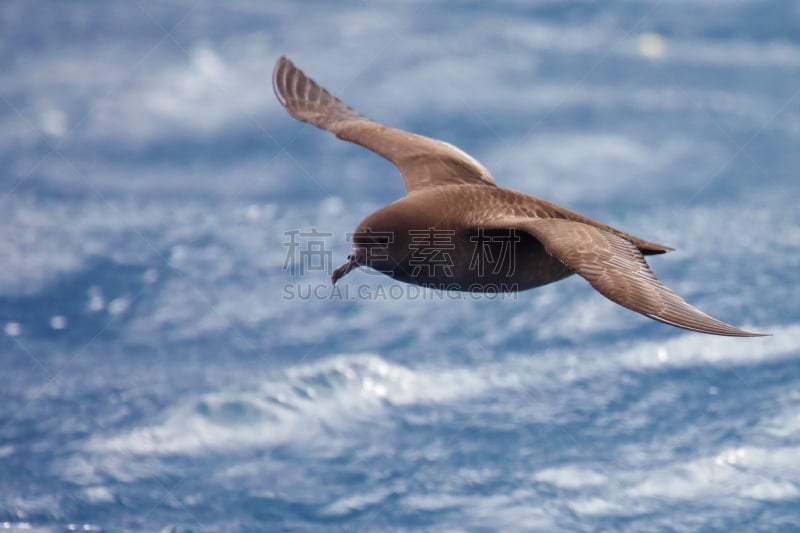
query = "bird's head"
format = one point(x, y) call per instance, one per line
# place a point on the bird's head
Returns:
point(380, 241)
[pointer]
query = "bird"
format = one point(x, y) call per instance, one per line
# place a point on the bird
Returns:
point(456, 229)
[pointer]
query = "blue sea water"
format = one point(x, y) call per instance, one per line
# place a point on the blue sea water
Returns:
point(171, 363)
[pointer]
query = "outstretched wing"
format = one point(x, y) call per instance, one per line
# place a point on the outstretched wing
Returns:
point(422, 161)
point(617, 269)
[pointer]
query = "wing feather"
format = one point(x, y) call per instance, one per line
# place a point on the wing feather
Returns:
point(423, 162)
point(617, 269)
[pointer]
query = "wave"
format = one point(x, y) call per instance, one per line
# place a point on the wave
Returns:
point(310, 399)
point(339, 392)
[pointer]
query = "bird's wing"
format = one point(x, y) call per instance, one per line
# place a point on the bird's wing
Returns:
point(422, 161)
point(617, 269)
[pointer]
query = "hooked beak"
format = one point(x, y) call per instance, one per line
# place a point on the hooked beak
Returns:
point(353, 260)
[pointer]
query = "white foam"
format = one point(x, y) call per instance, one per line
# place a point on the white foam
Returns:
point(571, 477)
point(599, 507)
point(772, 491)
point(202, 93)
point(691, 349)
point(571, 168)
point(344, 391)
point(518, 509)
point(337, 392)
point(356, 502)
point(13, 329)
point(730, 473)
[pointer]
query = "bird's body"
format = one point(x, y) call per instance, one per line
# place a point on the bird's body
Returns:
point(449, 251)
point(457, 230)
point(456, 239)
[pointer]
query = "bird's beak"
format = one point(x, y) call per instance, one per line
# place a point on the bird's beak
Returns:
point(353, 260)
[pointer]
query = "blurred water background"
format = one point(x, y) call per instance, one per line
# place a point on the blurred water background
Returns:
point(163, 370)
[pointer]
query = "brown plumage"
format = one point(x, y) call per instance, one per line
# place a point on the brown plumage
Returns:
point(455, 222)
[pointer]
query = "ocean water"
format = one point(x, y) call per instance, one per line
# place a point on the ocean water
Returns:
point(173, 357)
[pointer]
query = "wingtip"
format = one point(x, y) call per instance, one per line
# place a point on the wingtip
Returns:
point(655, 249)
point(733, 331)
point(712, 327)
point(281, 66)
point(743, 333)
point(756, 334)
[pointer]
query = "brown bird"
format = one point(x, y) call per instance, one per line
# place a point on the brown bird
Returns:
point(457, 230)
